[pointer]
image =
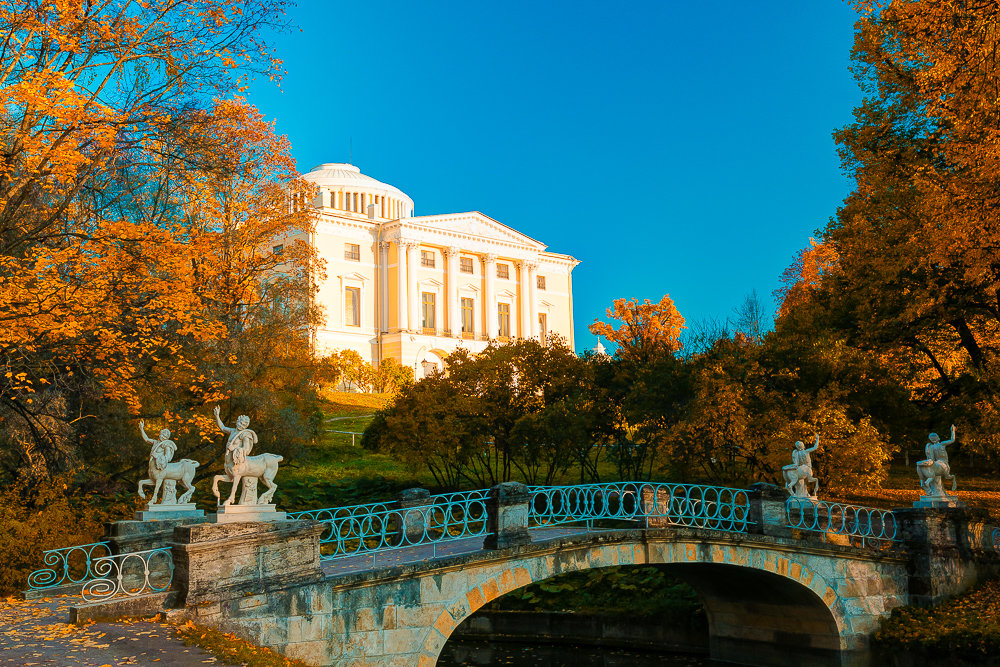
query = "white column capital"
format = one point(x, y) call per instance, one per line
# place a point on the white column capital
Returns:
point(451, 251)
point(489, 258)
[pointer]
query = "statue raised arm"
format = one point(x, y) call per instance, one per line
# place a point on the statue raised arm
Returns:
point(218, 420)
point(948, 442)
point(814, 447)
point(142, 431)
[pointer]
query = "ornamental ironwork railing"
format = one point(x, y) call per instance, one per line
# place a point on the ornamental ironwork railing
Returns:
point(378, 527)
point(67, 566)
point(651, 504)
point(130, 574)
point(869, 526)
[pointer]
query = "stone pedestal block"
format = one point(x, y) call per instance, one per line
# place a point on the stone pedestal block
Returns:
point(507, 516)
point(246, 513)
point(767, 510)
point(938, 501)
point(213, 561)
point(131, 536)
point(412, 515)
point(160, 512)
point(655, 507)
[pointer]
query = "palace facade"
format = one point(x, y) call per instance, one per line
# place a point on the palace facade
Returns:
point(414, 288)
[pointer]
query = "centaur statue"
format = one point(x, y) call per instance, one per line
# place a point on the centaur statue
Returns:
point(240, 465)
point(164, 473)
point(933, 470)
point(800, 473)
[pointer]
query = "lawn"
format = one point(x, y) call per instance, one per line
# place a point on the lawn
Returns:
point(334, 471)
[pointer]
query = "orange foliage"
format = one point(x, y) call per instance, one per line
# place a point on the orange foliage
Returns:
point(123, 206)
point(645, 327)
point(804, 274)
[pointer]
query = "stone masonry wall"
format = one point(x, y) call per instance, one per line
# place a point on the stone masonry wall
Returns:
point(404, 616)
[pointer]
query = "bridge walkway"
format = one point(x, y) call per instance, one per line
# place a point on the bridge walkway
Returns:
point(426, 553)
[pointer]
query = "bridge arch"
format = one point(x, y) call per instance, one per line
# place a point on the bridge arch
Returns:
point(764, 604)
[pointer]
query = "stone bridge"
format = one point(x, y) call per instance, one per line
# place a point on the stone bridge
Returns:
point(388, 584)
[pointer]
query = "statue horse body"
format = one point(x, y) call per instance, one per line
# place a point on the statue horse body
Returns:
point(797, 479)
point(181, 471)
point(932, 475)
point(262, 466)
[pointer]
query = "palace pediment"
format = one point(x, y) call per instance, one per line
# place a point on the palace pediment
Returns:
point(472, 225)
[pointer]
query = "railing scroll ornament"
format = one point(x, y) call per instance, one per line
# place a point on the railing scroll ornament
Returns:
point(864, 526)
point(67, 566)
point(130, 574)
point(654, 504)
point(378, 527)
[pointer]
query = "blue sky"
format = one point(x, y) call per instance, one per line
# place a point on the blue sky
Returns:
point(674, 148)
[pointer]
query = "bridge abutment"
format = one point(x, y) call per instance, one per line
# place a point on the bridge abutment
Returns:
point(950, 549)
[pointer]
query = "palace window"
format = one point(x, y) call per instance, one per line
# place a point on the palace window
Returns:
point(352, 251)
point(540, 282)
point(355, 208)
point(468, 322)
point(352, 306)
point(543, 329)
point(279, 249)
point(503, 320)
point(428, 306)
point(465, 264)
point(427, 258)
point(503, 271)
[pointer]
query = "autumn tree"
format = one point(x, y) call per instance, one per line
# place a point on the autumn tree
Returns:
point(520, 410)
point(908, 268)
point(108, 143)
point(644, 328)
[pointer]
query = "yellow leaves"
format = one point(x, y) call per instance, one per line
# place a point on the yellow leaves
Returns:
point(645, 326)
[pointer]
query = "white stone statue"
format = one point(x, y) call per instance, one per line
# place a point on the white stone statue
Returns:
point(240, 465)
point(800, 472)
point(162, 472)
point(933, 470)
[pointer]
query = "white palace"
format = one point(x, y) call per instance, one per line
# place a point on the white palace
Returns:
point(414, 288)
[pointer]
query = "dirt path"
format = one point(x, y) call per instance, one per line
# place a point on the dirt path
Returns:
point(36, 632)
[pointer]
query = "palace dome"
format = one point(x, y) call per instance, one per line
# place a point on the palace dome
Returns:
point(343, 177)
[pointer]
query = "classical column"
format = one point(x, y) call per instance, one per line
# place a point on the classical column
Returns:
point(413, 303)
point(401, 292)
point(525, 301)
point(533, 297)
point(454, 314)
point(383, 279)
point(489, 298)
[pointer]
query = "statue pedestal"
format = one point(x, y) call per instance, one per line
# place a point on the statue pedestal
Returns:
point(161, 512)
point(246, 513)
point(938, 501)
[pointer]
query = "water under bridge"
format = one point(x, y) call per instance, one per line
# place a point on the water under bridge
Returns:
point(783, 582)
